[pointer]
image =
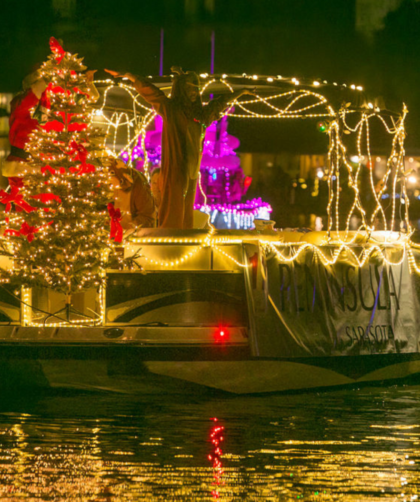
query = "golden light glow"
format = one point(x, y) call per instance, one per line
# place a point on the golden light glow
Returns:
point(305, 103)
point(297, 101)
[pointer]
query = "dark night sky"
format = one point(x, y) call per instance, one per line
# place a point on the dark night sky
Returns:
point(302, 38)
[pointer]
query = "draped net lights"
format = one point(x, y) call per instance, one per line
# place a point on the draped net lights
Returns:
point(221, 177)
point(347, 119)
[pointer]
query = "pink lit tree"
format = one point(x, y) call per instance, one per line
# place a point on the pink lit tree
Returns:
point(223, 182)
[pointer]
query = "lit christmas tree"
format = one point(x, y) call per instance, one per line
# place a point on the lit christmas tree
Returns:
point(56, 215)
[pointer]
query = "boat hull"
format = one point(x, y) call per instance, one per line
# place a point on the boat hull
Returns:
point(134, 370)
point(290, 320)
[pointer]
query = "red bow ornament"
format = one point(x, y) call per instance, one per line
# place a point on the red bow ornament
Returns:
point(116, 228)
point(25, 230)
point(16, 198)
point(28, 231)
point(77, 151)
point(57, 50)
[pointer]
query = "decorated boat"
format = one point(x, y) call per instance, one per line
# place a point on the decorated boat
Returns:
point(236, 310)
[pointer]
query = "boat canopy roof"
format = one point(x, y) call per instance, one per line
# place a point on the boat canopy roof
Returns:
point(271, 88)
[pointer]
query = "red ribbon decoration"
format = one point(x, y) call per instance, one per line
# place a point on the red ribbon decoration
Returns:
point(57, 50)
point(116, 228)
point(48, 169)
point(46, 197)
point(78, 151)
point(51, 170)
point(56, 125)
point(57, 89)
point(53, 125)
point(17, 198)
point(25, 230)
point(28, 231)
point(16, 181)
point(77, 127)
point(83, 169)
point(86, 169)
point(11, 231)
point(63, 115)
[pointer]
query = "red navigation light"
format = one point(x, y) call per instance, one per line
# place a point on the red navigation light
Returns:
point(221, 334)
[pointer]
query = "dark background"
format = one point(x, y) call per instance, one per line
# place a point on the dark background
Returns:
point(302, 38)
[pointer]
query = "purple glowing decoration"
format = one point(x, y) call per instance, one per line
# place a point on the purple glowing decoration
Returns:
point(152, 142)
point(222, 179)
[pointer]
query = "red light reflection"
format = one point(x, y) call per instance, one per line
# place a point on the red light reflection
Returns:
point(216, 438)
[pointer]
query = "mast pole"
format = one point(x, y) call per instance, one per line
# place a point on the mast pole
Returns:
point(212, 53)
point(162, 32)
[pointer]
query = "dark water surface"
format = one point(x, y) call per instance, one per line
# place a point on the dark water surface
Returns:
point(344, 445)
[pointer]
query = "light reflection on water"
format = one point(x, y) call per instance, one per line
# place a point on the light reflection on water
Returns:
point(350, 445)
